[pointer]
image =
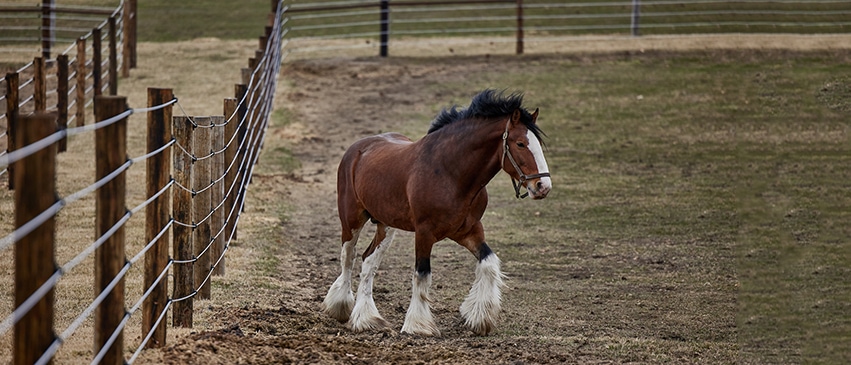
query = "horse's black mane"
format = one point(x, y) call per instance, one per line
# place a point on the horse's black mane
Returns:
point(486, 105)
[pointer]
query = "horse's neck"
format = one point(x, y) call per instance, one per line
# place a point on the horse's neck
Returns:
point(470, 154)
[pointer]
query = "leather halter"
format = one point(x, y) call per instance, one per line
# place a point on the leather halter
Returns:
point(522, 177)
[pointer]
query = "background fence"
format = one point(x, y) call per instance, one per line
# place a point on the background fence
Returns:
point(377, 23)
point(40, 27)
point(197, 170)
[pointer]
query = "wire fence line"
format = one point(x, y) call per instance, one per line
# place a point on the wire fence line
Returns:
point(374, 23)
point(230, 147)
point(37, 28)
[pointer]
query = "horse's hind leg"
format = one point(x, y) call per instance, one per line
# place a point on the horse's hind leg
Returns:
point(339, 301)
point(365, 315)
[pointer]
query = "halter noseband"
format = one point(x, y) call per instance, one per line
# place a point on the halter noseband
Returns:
point(522, 177)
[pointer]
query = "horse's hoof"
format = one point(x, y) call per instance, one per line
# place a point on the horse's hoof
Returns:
point(483, 328)
point(373, 323)
point(340, 310)
point(422, 330)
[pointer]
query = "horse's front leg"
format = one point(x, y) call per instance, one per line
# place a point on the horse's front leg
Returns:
point(419, 320)
point(482, 306)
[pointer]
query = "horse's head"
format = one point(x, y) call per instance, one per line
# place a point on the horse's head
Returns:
point(521, 146)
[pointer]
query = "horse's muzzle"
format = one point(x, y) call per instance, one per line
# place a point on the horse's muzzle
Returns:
point(539, 189)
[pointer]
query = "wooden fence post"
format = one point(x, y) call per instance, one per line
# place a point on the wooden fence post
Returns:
point(184, 280)
point(113, 57)
point(519, 27)
point(39, 87)
point(111, 154)
point(157, 214)
point(217, 195)
point(62, 97)
point(82, 71)
point(125, 46)
point(12, 84)
point(34, 253)
point(131, 29)
point(230, 155)
point(242, 132)
point(96, 61)
point(46, 27)
point(201, 205)
point(636, 10)
point(385, 28)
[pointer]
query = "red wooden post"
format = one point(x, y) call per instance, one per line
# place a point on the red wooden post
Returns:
point(34, 254)
point(157, 214)
point(111, 153)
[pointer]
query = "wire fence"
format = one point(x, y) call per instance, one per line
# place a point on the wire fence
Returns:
point(197, 173)
point(372, 24)
point(38, 28)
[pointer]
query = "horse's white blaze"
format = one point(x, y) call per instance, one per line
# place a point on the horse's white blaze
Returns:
point(418, 320)
point(481, 307)
point(538, 151)
point(365, 315)
point(339, 300)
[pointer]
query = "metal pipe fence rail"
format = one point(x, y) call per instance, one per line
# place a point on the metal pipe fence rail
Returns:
point(197, 173)
point(372, 24)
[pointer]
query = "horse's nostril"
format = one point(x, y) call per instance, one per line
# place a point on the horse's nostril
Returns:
point(539, 185)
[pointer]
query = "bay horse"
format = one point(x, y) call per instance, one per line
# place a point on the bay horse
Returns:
point(434, 187)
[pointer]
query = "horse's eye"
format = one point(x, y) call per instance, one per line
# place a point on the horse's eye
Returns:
point(521, 145)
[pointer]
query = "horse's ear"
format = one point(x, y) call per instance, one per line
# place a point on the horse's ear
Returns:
point(515, 118)
point(535, 116)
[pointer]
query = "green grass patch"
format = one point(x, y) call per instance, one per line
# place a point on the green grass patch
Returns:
point(168, 21)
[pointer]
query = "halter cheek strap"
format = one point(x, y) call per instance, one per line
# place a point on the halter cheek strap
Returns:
point(522, 177)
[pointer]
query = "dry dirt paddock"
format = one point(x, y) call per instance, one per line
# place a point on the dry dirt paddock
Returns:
point(266, 309)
